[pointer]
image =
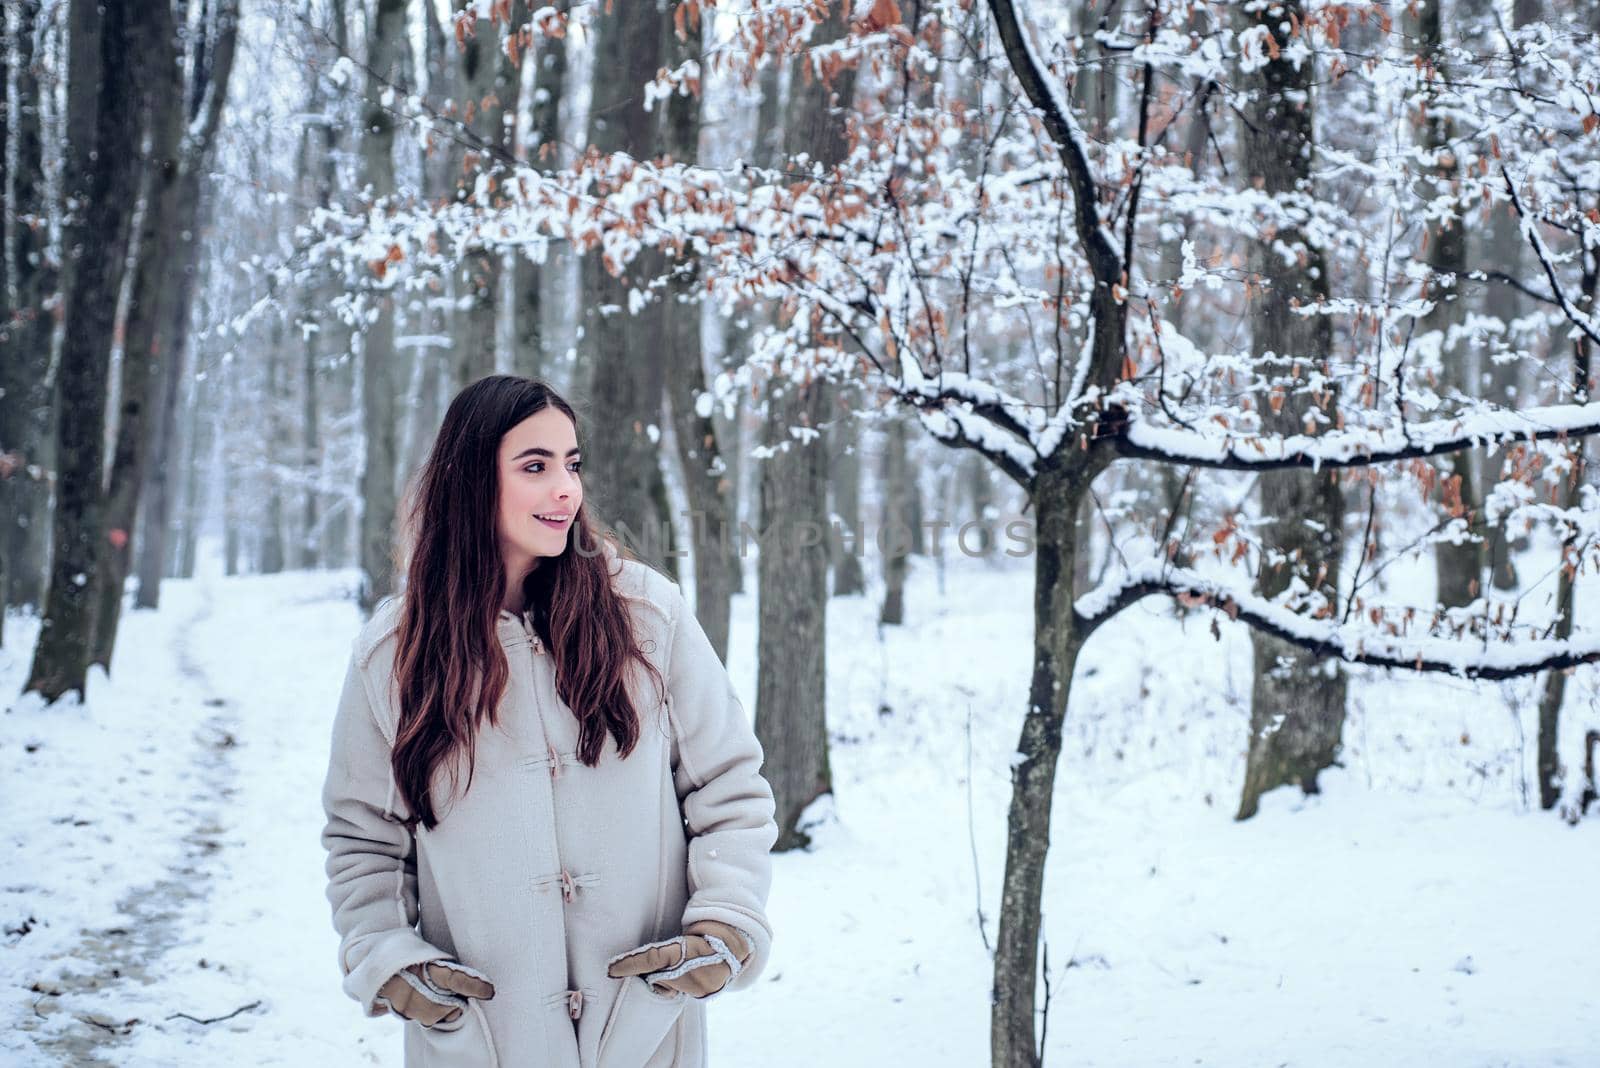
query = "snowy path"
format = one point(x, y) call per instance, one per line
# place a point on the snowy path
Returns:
point(98, 985)
point(1414, 911)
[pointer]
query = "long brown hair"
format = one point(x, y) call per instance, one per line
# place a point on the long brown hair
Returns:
point(450, 667)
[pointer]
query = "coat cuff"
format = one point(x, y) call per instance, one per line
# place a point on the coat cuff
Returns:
point(383, 955)
point(753, 927)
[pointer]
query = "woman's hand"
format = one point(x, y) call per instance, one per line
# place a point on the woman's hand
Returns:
point(699, 962)
point(435, 992)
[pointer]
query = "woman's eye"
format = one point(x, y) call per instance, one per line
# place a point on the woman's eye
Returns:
point(576, 465)
point(533, 466)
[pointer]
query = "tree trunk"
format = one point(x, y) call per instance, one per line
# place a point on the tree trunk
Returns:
point(894, 536)
point(478, 276)
point(191, 461)
point(846, 549)
point(273, 559)
point(1057, 497)
point(178, 309)
point(306, 539)
point(160, 92)
point(1555, 682)
point(700, 451)
point(980, 487)
point(29, 321)
point(791, 689)
point(1458, 566)
point(626, 484)
point(101, 177)
point(709, 489)
point(1505, 249)
point(1297, 704)
point(212, 68)
point(529, 348)
point(385, 51)
point(9, 461)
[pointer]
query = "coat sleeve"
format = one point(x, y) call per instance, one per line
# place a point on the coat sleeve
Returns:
point(371, 865)
point(726, 803)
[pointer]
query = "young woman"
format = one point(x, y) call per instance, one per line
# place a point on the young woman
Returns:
point(547, 830)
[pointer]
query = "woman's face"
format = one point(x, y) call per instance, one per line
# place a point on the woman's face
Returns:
point(538, 477)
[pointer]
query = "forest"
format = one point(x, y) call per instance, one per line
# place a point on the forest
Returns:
point(1094, 433)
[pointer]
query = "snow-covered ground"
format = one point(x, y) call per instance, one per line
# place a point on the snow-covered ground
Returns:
point(163, 854)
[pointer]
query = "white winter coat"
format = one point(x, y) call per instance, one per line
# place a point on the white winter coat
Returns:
point(546, 868)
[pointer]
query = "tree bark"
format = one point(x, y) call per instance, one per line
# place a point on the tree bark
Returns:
point(1501, 245)
point(709, 491)
point(791, 686)
point(895, 537)
point(386, 48)
point(846, 549)
point(1458, 566)
point(30, 313)
point(159, 87)
point(212, 68)
point(792, 573)
point(626, 484)
point(9, 461)
point(273, 557)
point(1296, 704)
point(190, 509)
point(1551, 772)
point(1057, 496)
point(528, 331)
point(478, 276)
point(101, 179)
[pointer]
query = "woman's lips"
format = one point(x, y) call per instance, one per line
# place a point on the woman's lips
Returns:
point(554, 524)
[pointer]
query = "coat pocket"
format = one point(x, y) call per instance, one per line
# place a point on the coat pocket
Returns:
point(639, 1022)
point(465, 1043)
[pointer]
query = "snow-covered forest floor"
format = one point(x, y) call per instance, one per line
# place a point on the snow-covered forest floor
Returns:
point(163, 864)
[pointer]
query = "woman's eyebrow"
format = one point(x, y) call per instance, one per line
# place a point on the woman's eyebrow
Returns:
point(538, 451)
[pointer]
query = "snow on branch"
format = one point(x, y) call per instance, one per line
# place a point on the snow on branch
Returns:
point(956, 423)
point(1580, 319)
point(1355, 643)
point(1349, 447)
point(1069, 139)
point(968, 412)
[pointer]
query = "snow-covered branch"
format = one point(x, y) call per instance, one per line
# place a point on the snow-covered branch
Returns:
point(1067, 136)
point(1349, 447)
point(956, 423)
point(1356, 643)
